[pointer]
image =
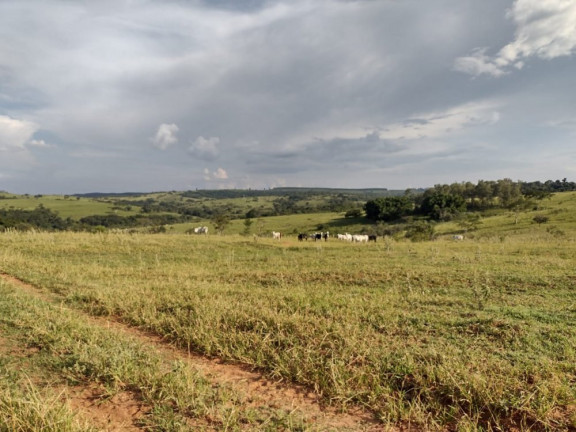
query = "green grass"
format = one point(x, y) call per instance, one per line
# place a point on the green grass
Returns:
point(65, 207)
point(477, 334)
point(289, 225)
point(473, 335)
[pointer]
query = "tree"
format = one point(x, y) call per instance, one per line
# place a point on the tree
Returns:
point(220, 222)
point(252, 213)
point(388, 209)
point(353, 213)
point(507, 191)
point(442, 206)
point(470, 222)
point(260, 225)
point(540, 219)
point(247, 225)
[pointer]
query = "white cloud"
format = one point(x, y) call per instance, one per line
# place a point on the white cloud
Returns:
point(478, 63)
point(421, 126)
point(165, 136)
point(205, 148)
point(219, 174)
point(545, 29)
point(38, 143)
point(15, 134)
point(438, 124)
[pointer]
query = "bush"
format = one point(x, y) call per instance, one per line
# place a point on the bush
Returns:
point(420, 231)
point(540, 219)
point(354, 213)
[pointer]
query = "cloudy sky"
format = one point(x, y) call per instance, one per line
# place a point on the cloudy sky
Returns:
point(153, 95)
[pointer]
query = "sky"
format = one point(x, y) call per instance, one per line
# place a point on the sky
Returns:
point(162, 95)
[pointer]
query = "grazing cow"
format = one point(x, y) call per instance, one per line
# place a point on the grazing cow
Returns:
point(346, 237)
point(372, 238)
point(360, 238)
point(276, 235)
point(302, 237)
point(201, 230)
point(458, 237)
point(317, 236)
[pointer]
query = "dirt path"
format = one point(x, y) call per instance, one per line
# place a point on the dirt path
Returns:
point(120, 413)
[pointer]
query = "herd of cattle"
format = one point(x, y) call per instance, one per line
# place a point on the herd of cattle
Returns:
point(354, 238)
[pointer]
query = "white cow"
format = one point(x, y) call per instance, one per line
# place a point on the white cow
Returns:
point(458, 237)
point(360, 238)
point(201, 230)
point(276, 235)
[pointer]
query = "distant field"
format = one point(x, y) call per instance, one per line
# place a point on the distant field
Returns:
point(65, 207)
point(289, 225)
point(560, 209)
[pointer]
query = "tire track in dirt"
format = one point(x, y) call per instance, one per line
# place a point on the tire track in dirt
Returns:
point(119, 413)
point(259, 390)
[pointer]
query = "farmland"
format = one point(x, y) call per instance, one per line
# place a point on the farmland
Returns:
point(436, 335)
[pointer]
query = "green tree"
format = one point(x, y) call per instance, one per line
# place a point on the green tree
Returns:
point(260, 223)
point(388, 208)
point(442, 206)
point(540, 219)
point(353, 213)
point(220, 222)
point(247, 226)
point(469, 222)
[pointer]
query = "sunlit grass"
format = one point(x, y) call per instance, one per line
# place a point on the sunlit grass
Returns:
point(475, 332)
point(72, 207)
point(476, 335)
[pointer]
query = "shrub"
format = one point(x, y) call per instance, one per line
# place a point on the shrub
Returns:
point(420, 231)
point(354, 213)
point(540, 219)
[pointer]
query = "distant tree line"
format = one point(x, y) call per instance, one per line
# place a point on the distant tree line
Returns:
point(293, 202)
point(288, 191)
point(445, 202)
point(45, 219)
point(39, 218)
point(441, 202)
point(541, 190)
point(117, 221)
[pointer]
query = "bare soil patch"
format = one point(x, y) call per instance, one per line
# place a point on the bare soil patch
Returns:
point(118, 413)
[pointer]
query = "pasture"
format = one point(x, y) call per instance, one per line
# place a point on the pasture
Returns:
point(443, 335)
point(65, 206)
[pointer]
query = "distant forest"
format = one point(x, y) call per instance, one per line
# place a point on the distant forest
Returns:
point(441, 202)
point(446, 202)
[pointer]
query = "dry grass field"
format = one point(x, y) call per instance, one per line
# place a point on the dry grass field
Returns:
point(394, 335)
